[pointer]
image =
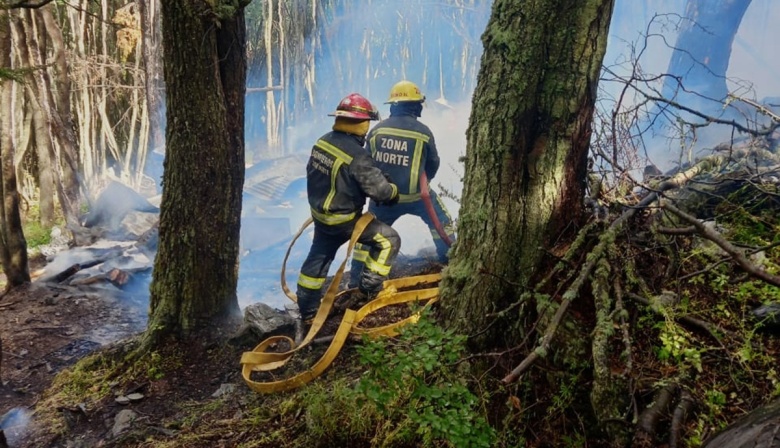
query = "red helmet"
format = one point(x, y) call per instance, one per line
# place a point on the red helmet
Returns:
point(356, 106)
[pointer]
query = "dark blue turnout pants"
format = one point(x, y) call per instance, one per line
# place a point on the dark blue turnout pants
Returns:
point(389, 215)
point(381, 241)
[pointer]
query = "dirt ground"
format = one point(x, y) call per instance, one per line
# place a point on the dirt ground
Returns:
point(45, 327)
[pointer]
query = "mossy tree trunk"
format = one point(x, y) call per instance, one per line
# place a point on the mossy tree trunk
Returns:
point(13, 247)
point(196, 268)
point(526, 158)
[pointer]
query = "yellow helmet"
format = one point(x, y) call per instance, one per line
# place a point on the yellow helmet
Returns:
point(405, 91)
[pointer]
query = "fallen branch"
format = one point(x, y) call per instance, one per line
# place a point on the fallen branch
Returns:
point(713, 265)
point(676, 230)
point(5, 305)
point(73, 269)
point(618, 312)
point(759, 107)
point(738, 256)
point(606, 239)
point(710, 119)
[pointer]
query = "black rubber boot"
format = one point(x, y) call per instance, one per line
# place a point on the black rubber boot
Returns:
point(371, 282)
point(308, 303)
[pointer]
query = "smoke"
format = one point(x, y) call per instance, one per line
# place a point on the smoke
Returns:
point(366, 47)
point(448, 125)
point(651, 28)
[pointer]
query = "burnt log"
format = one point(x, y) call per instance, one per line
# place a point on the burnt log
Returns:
point(76, 267)
point(73, 269)
point(125, 279)
point(758, 429)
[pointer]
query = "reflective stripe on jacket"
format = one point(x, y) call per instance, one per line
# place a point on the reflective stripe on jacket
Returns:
point(340, 175)
point(404, 148)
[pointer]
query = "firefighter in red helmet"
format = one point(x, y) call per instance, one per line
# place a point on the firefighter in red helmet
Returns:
point(340, 176)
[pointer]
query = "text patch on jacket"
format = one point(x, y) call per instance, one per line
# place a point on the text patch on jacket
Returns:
point(393, 150)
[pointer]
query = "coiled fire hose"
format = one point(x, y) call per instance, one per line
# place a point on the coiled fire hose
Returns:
point(260, 359)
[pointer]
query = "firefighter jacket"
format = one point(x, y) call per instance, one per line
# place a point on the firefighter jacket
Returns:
point(404, 148)
point(340, 176)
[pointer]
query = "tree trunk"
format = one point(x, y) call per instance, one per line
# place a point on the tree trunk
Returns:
point(13, 247)
point(41, 138)
point(63, 142)
point(153, 65)
point(702, 52)
point(526, 159)
point(195, 272)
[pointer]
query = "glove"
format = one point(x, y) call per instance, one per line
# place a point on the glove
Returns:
point(393, 200)
point(387, 177)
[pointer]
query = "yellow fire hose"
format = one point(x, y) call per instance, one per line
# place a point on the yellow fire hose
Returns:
point(261, 360)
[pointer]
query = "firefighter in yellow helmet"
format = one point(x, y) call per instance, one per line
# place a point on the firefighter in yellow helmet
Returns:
point(404, 148)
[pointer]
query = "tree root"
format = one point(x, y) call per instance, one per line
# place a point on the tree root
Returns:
point(647, 428)
point(680, 415)
point(647, 425)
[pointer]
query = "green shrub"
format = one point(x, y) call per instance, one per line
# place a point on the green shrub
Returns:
point(413, 384)
point(35, 234)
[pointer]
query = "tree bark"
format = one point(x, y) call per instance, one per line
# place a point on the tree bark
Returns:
point(13, 247)
point(153, 69)
point(195, 271)
point(526, 158)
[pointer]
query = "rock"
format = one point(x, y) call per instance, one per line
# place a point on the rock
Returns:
point(769, 317)
point(758, 429)
point(135, 397)
point(122, 421)
point(262, 321)
point(224, 389)
point(122, 400)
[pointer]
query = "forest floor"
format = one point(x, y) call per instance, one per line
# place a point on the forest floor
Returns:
point(47, 327)
point(48, 400)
